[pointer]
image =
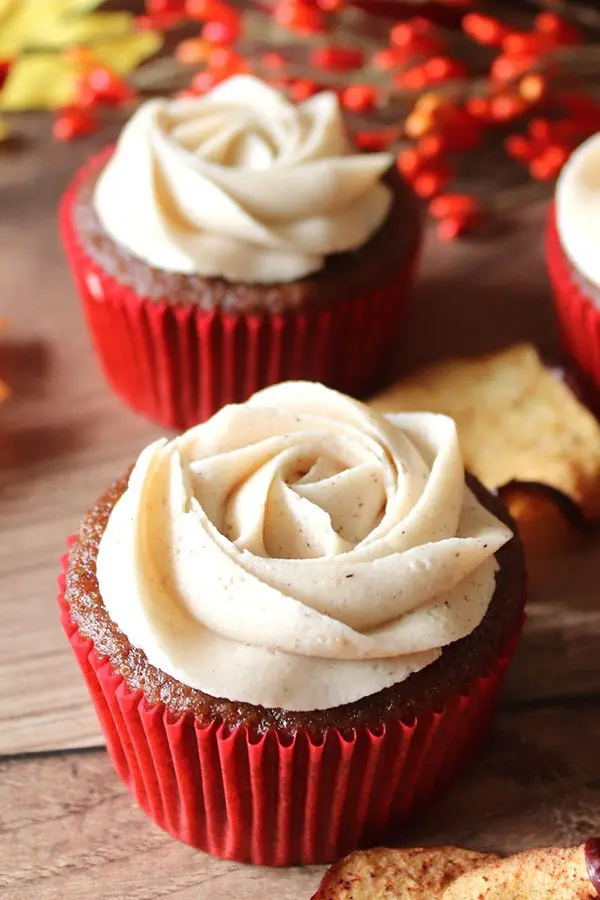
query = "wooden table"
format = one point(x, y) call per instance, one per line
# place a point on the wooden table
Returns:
point(66, 823)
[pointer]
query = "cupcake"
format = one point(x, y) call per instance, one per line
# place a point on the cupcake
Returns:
point(236, 240)
point(573, 257)
point(294, 620)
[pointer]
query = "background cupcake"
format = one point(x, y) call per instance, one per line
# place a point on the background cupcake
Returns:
point(236, 240)
point(573, 251)
point(294, 621)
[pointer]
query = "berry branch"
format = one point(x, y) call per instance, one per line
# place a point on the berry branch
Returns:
point(453, 88)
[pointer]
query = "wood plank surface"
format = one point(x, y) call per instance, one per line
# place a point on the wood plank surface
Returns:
point(65, 437)
point(533, 785)
point(66, 823)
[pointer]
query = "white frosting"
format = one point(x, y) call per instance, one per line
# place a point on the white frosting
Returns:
point(578, 209)
point(241, 184)
point(299, 550)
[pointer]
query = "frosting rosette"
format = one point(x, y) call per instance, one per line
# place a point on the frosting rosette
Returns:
point(241, 184)
point(299, 550)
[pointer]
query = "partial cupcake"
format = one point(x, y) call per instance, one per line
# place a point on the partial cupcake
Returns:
point(294, 620)
point(573, 256)
point(236, 240)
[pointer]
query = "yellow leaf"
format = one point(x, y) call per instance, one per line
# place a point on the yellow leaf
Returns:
point(82, 30)
point(39, 81)
point(123, 55)
point(30, 24)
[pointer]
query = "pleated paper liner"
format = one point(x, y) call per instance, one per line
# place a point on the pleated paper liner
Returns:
point(578, 315)
point(269, 799)
point(178, 364)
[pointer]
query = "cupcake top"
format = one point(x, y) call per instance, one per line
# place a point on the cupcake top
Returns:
point(241, 184)
point(578, 209)
point(299, 551)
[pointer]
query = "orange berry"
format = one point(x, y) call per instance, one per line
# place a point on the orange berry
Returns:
point(192, 51)
point(533, 87)
point(484, 29)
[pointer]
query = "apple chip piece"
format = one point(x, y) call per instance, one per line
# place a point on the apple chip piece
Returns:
point(551, 873)
point(402, 874)
point(516, 420)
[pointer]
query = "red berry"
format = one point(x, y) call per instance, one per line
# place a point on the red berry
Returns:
point(107, 87)
point(519, 147)
point(226, 58)
point(359, 97)
point(484, 29)
point(74, 123)
point(559, 29)
point(337, 58)
point(548, 164)
point(523, 42)
point(377, 139)
point(434, 145)
point(205, 81)
point(442, 68)
point(414, 79)
point(387, 58)
point(303, 89)
point(508, 66)
point(432, 180)
point(452, 227)
point(404, 34)
point(299, 17)
point(211, 11)
point(409, 162)
point(505, 107)
point(221, 32)
point(462, 205)
point(274, 61)
point(479, 108)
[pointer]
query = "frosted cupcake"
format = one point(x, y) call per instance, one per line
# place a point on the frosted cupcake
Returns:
point(573, 255)
point(294, 621)
point(235, 240)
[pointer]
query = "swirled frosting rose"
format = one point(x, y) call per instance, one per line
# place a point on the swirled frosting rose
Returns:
point(299, 550)
point(241, 184)
point(578, 209)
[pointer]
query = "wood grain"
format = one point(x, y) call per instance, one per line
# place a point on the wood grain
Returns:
point(65, 437)
point(68, 826)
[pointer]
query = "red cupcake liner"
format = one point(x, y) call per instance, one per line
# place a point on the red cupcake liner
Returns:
point(270, 799)
point(178, 364)
point(577, 313)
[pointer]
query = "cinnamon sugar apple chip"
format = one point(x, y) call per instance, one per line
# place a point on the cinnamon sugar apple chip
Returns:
point(518, 424)
point(549, 873)
point(397, 874)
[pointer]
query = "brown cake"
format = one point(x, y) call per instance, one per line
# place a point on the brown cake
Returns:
point(424, 691)
point(198, 296)
point(345, 274)
point(294, 622)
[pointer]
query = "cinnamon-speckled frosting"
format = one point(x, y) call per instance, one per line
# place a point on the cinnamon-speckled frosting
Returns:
point(241, 184)
point(299, 551)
